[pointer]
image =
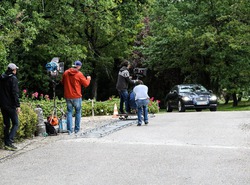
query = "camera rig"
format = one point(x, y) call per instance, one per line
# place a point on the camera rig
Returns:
point(140, 72)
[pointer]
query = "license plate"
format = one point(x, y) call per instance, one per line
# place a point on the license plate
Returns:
point(201, 103)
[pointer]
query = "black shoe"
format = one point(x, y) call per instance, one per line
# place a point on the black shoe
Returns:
point(146, 123)
point(122, 112)
point(138, 124)
point(10, 147)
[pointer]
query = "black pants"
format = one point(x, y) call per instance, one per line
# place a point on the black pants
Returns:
point(9, 116)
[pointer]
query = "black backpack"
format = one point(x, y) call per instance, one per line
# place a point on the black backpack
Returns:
point(50, 129)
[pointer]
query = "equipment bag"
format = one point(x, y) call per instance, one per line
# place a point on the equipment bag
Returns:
point(50, 129)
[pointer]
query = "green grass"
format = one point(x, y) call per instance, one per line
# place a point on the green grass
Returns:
point(242, 106)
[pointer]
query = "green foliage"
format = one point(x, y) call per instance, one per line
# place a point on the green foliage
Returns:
point(207, 42)
point(27, 123)
point(86, 109)
point(102, 109)
point(88, 106)
point(95, 32)
point(153, 106)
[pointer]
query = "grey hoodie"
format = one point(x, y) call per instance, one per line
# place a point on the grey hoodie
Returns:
point(123, 79)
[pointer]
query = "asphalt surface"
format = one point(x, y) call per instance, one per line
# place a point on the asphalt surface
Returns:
point(191, 148)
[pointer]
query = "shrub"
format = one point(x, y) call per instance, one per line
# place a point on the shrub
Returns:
point(86, 108)
point(27, 123)
point(99, 108)
point(153, 106)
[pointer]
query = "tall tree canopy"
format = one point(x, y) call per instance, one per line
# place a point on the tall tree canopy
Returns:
point(97, 32)
point(201, 41)
point(181, 41)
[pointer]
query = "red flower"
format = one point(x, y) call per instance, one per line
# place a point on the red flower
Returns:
point(35, 95)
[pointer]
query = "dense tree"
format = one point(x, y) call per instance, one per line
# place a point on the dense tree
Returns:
point(21, 24)
point(202, 41)
point(98, 32)
point(17, 28)
point(181, 41)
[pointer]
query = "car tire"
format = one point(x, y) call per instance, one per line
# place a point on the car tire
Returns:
point(181, 107)
point(213, 109)
point(168, 107)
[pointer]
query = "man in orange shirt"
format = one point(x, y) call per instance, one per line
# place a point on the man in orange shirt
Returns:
point(73, 80)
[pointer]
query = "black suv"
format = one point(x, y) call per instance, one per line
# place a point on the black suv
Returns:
point(190, 96)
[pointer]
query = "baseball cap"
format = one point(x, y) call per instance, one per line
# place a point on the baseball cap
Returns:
point(12, 66)
point(77, 63)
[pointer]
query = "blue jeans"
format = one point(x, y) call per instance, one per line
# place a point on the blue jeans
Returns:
point(77, 105)
point(142, 106)
point(124, 99)
point(9, 114)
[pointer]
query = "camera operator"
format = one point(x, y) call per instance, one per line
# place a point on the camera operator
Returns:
point(73, 80)
point(122, 86)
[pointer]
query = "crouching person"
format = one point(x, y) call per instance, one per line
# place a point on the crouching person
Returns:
point(142, 100)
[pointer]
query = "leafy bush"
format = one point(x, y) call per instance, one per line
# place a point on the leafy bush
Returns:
point(99, 108)
point(86, 108)
point(27, 123)
point(153, 107)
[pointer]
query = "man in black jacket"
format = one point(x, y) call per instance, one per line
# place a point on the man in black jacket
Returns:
point(122, 86)
point(9, 104)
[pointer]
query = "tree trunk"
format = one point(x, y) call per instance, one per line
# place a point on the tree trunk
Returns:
point(227, 98)
point(235, 100)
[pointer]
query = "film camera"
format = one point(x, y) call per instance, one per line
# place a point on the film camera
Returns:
point(54, 67)
point(140, 72)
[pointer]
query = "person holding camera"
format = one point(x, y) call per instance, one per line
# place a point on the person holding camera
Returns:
point(73, 80)
point(141, 100)
point(10, 105)
point(122, 86)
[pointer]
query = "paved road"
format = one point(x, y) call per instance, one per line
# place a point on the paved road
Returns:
point(191, 148)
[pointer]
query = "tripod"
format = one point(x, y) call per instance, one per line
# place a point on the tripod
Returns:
point(54, 83)
point(62, 119)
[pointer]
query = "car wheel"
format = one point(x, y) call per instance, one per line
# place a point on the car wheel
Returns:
point(181, 107)
point(168, 107)
point(213, 109)
point(198, 110)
